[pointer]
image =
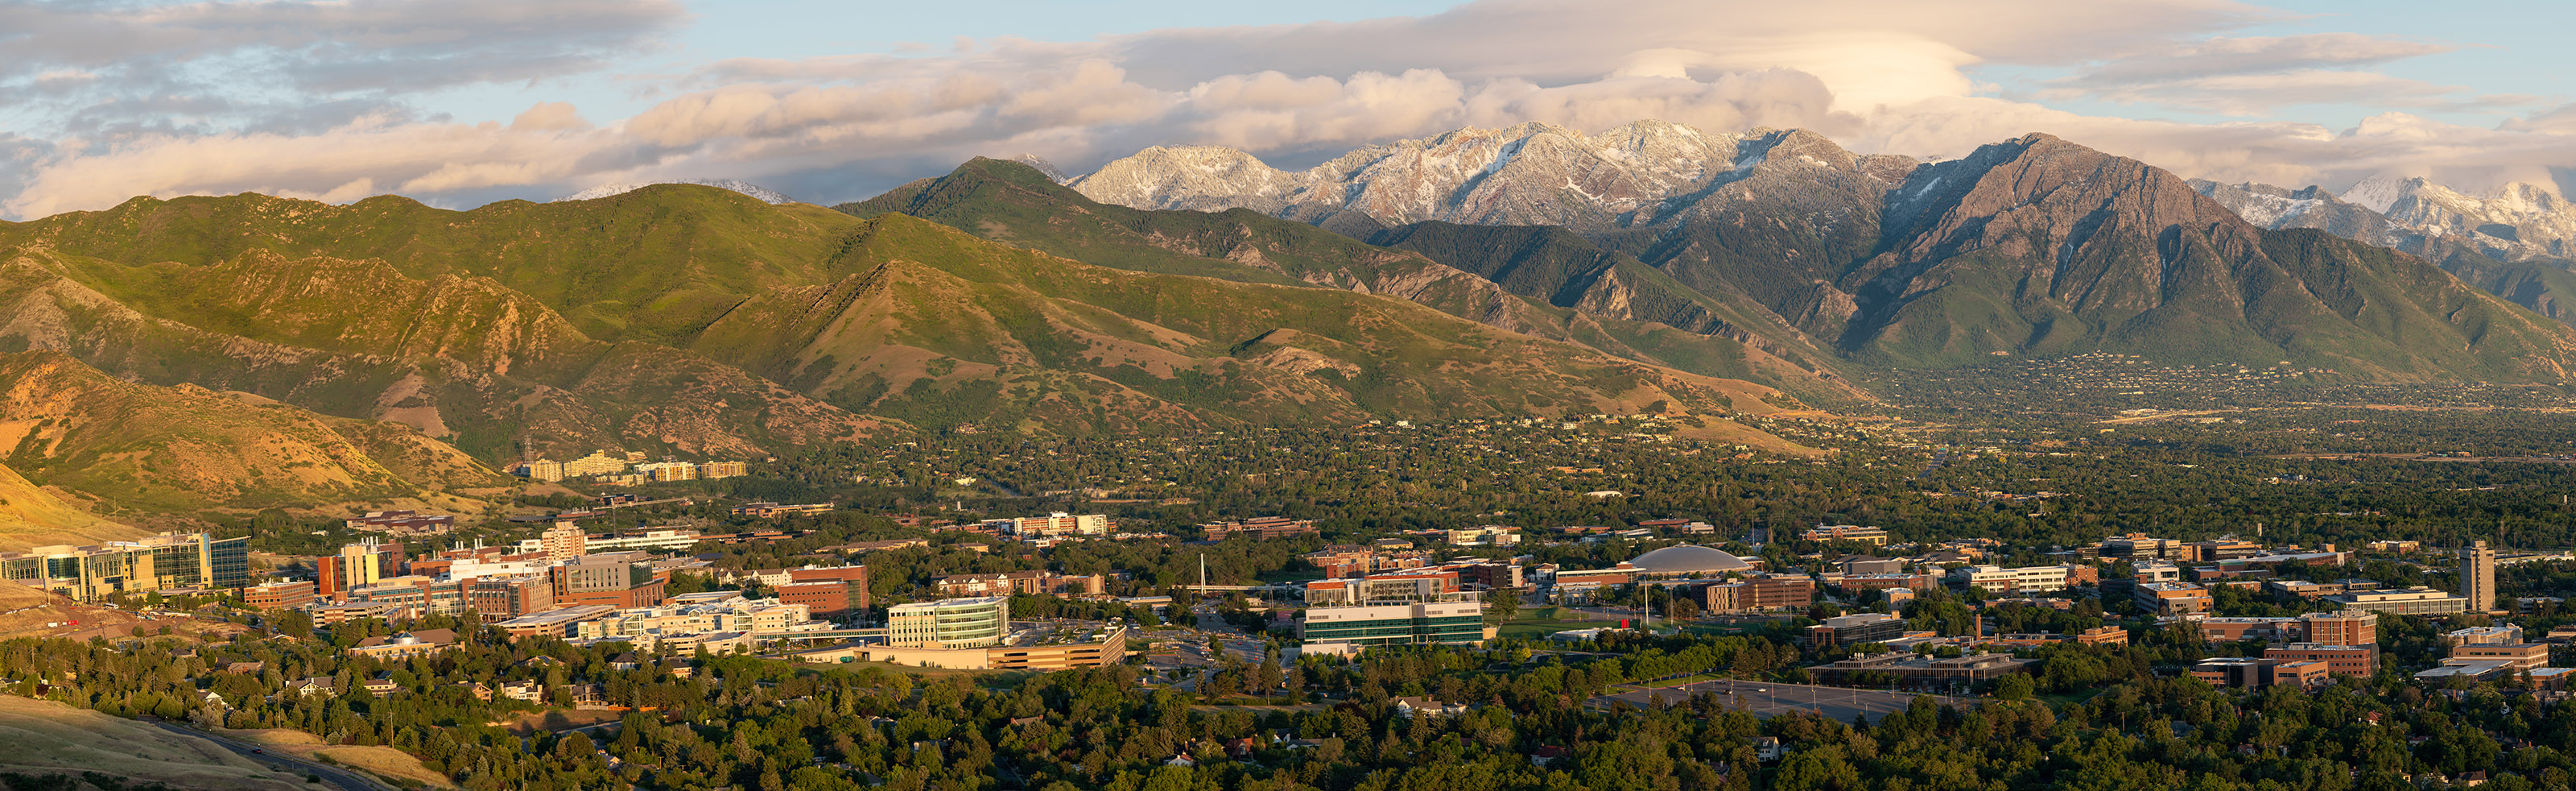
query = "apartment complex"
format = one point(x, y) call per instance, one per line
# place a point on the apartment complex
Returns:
point(564, 541)
point(1259, 529)
point(169, 560)
point(602, 465)
point(1483, 536)
point(1060, 525)
point(1342, 560)
point(401, 522)
point(765, 510)
point(407, 645)
point(952, 623)
point(1021, 583)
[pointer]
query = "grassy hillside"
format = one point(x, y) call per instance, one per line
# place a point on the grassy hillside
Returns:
point(1555, 286)
point(694, 320)
point(652, 265)
point(2544, 286)
point(55, 738)
point(462, 359)
point(30, 516)
point(1014, 204)
point(2039, 247)
point(1724, 332)
point(946, 329)
point(148, 450)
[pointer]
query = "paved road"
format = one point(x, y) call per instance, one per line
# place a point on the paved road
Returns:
point(346, 780)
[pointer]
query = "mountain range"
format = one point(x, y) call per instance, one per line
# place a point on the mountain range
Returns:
point(2516, 243)
point(696, 321)
point(2034, 246)
point(232, 354)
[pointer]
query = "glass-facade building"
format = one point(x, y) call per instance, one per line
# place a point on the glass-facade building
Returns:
point(954, 623)
point(163, 562)
point(1397, 624)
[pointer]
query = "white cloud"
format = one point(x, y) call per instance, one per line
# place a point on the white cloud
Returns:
point(2256, 76)
point(1879, 75)
point(2254, 55)
point(344, 163)
point(106, 70)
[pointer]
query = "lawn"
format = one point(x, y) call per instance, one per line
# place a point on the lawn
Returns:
point(1537, 623)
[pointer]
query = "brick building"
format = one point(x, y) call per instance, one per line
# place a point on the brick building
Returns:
point(279, 595)
point(828, 593)
point(2341, 660)
point(1759, 593)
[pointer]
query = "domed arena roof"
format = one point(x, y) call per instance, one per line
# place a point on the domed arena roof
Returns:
point(1689, 559)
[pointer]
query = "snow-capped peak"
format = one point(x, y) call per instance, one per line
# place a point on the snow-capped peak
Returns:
point(1529, 173)
point(2377, 193)
point(765, 194)
point(1043, 167)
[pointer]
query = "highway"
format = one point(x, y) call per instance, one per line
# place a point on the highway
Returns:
point(345, 779)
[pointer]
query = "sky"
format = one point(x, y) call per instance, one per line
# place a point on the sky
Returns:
point(461, 102)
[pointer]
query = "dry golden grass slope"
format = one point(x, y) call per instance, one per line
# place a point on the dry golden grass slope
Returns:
point(28, 612)
point(394, 766)
point(143, 450)
point(46, 737)
point(33, 517)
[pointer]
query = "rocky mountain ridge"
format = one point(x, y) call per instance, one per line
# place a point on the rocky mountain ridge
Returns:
point(2518, 222)
point(2031, 246)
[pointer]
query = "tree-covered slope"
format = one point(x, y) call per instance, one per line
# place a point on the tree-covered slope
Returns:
point(1566, 270)
point(944, 328)
point(682, 319)
point(2042, 247)
point(1633, 312)
point(463, 359)
point(653, 264)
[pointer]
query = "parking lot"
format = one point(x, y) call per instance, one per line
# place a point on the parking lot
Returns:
point(1767, 699)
